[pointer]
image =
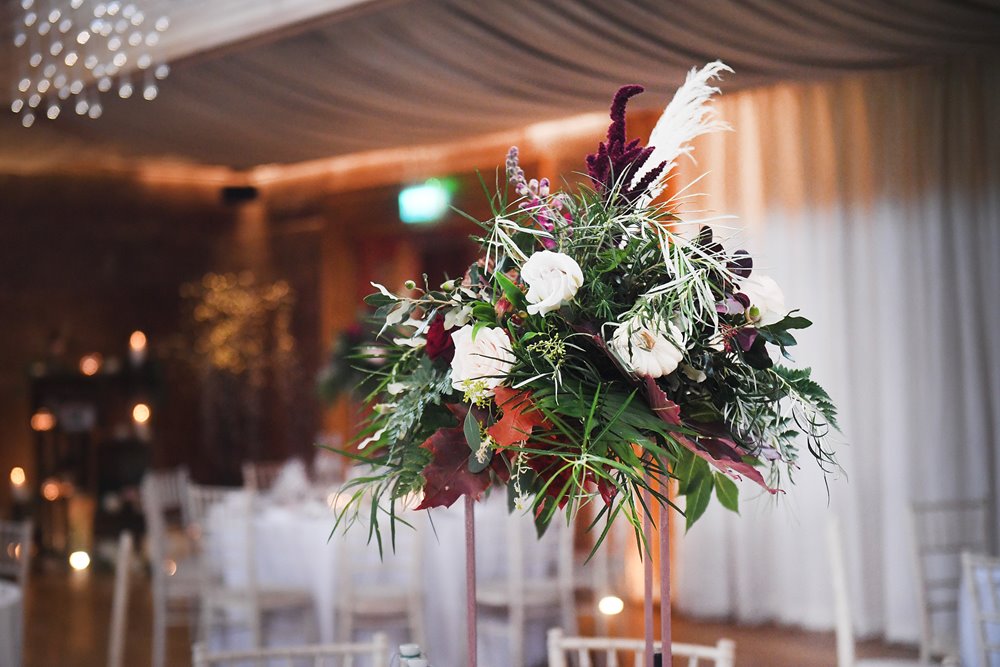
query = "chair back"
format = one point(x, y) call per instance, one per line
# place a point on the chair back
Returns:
point(170, 487)
point(260, 475)
point(587, 651)
point(602, 574)
point(119, 602)
point(982, 575)
point(841, 597)
point(222, 531)
point(389, 586)
point(558, 570)
point(324, 655)
point(15, 551)
point(941, 532)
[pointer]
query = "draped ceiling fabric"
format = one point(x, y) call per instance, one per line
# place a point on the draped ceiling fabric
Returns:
point(405, 72)
point(875, 201)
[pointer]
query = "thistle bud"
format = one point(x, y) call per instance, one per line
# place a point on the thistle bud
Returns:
point(409, 284)
point(448, 285)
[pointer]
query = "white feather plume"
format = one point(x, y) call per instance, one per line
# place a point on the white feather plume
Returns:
point(688, 115)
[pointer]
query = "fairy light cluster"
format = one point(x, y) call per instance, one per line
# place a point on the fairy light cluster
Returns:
point(73, 52)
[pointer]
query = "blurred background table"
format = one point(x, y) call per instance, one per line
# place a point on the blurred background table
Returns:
point(11, 600)
point(295, 549)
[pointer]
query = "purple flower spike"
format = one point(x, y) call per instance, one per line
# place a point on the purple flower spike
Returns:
point(617, 161)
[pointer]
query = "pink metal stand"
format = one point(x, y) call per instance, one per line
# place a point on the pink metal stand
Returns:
point(470, 578)
point(665, 635)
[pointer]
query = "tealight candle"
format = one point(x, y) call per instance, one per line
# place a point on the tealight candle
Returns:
point(137, 348)
point(19, 485)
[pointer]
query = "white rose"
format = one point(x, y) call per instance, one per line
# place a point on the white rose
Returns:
point(648, 349)
point(766, 297)
point(553, 280)
point(485, 361)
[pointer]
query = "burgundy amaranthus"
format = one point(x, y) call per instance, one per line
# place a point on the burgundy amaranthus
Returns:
point(617, 161)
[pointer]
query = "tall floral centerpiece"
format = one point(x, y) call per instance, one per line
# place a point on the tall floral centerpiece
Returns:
point(594, 350)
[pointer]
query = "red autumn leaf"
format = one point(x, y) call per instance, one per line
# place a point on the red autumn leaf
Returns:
point(519, 416)
point(447, 476)
point(723, 453)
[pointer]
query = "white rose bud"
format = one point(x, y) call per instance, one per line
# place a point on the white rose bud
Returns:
point(648, 349)
point(553, 280)
point(767, 301)
point(480, 365)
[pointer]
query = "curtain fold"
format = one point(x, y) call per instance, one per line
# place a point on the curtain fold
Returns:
point(875, 201)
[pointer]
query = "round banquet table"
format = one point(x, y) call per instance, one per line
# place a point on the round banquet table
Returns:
point(294, 548)
point(10, 624)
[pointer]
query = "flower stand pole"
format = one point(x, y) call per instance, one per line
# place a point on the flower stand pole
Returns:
point(665, 632)
point(647, 581)
point(470, 578)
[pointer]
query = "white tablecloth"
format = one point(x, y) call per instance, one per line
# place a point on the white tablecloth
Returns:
point(294, 549)
point(969, 644)
point(10, 624)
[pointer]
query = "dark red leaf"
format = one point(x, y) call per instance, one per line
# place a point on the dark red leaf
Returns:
point(722, 453)
point(447, 476)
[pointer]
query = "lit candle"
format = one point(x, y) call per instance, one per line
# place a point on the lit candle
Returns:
point(18, 485)
point(140, 418)
point(137, 348)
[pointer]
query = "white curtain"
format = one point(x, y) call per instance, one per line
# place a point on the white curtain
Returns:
point(875, 201)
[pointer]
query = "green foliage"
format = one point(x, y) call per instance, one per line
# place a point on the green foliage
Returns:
point(571, 424)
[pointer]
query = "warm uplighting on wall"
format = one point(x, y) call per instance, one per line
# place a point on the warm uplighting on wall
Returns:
point(140, 413)
point(90, 364)
point(170, 567)
point(424, 203)
point(79, 560)
point(50, 490)
point(610, 605)
point(43, 420)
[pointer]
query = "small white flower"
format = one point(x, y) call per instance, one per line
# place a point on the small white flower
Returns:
point(649, 349)
point(414, 341)
point(553, 280)
point(457, 317)
point(693, 373)
point(767, 301)
point(483, 362)
point(395, 388)
point(395, 315)
point(374, 437)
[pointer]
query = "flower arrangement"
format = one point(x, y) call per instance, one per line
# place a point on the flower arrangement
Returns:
point(592, 349)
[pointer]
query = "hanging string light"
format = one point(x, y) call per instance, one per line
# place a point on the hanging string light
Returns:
point(72, 52)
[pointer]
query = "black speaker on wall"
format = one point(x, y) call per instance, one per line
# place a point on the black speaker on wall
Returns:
point(238, 194)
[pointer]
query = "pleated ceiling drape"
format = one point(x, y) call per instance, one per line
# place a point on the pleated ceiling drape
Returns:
point(875, 201)
point(399, 73)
